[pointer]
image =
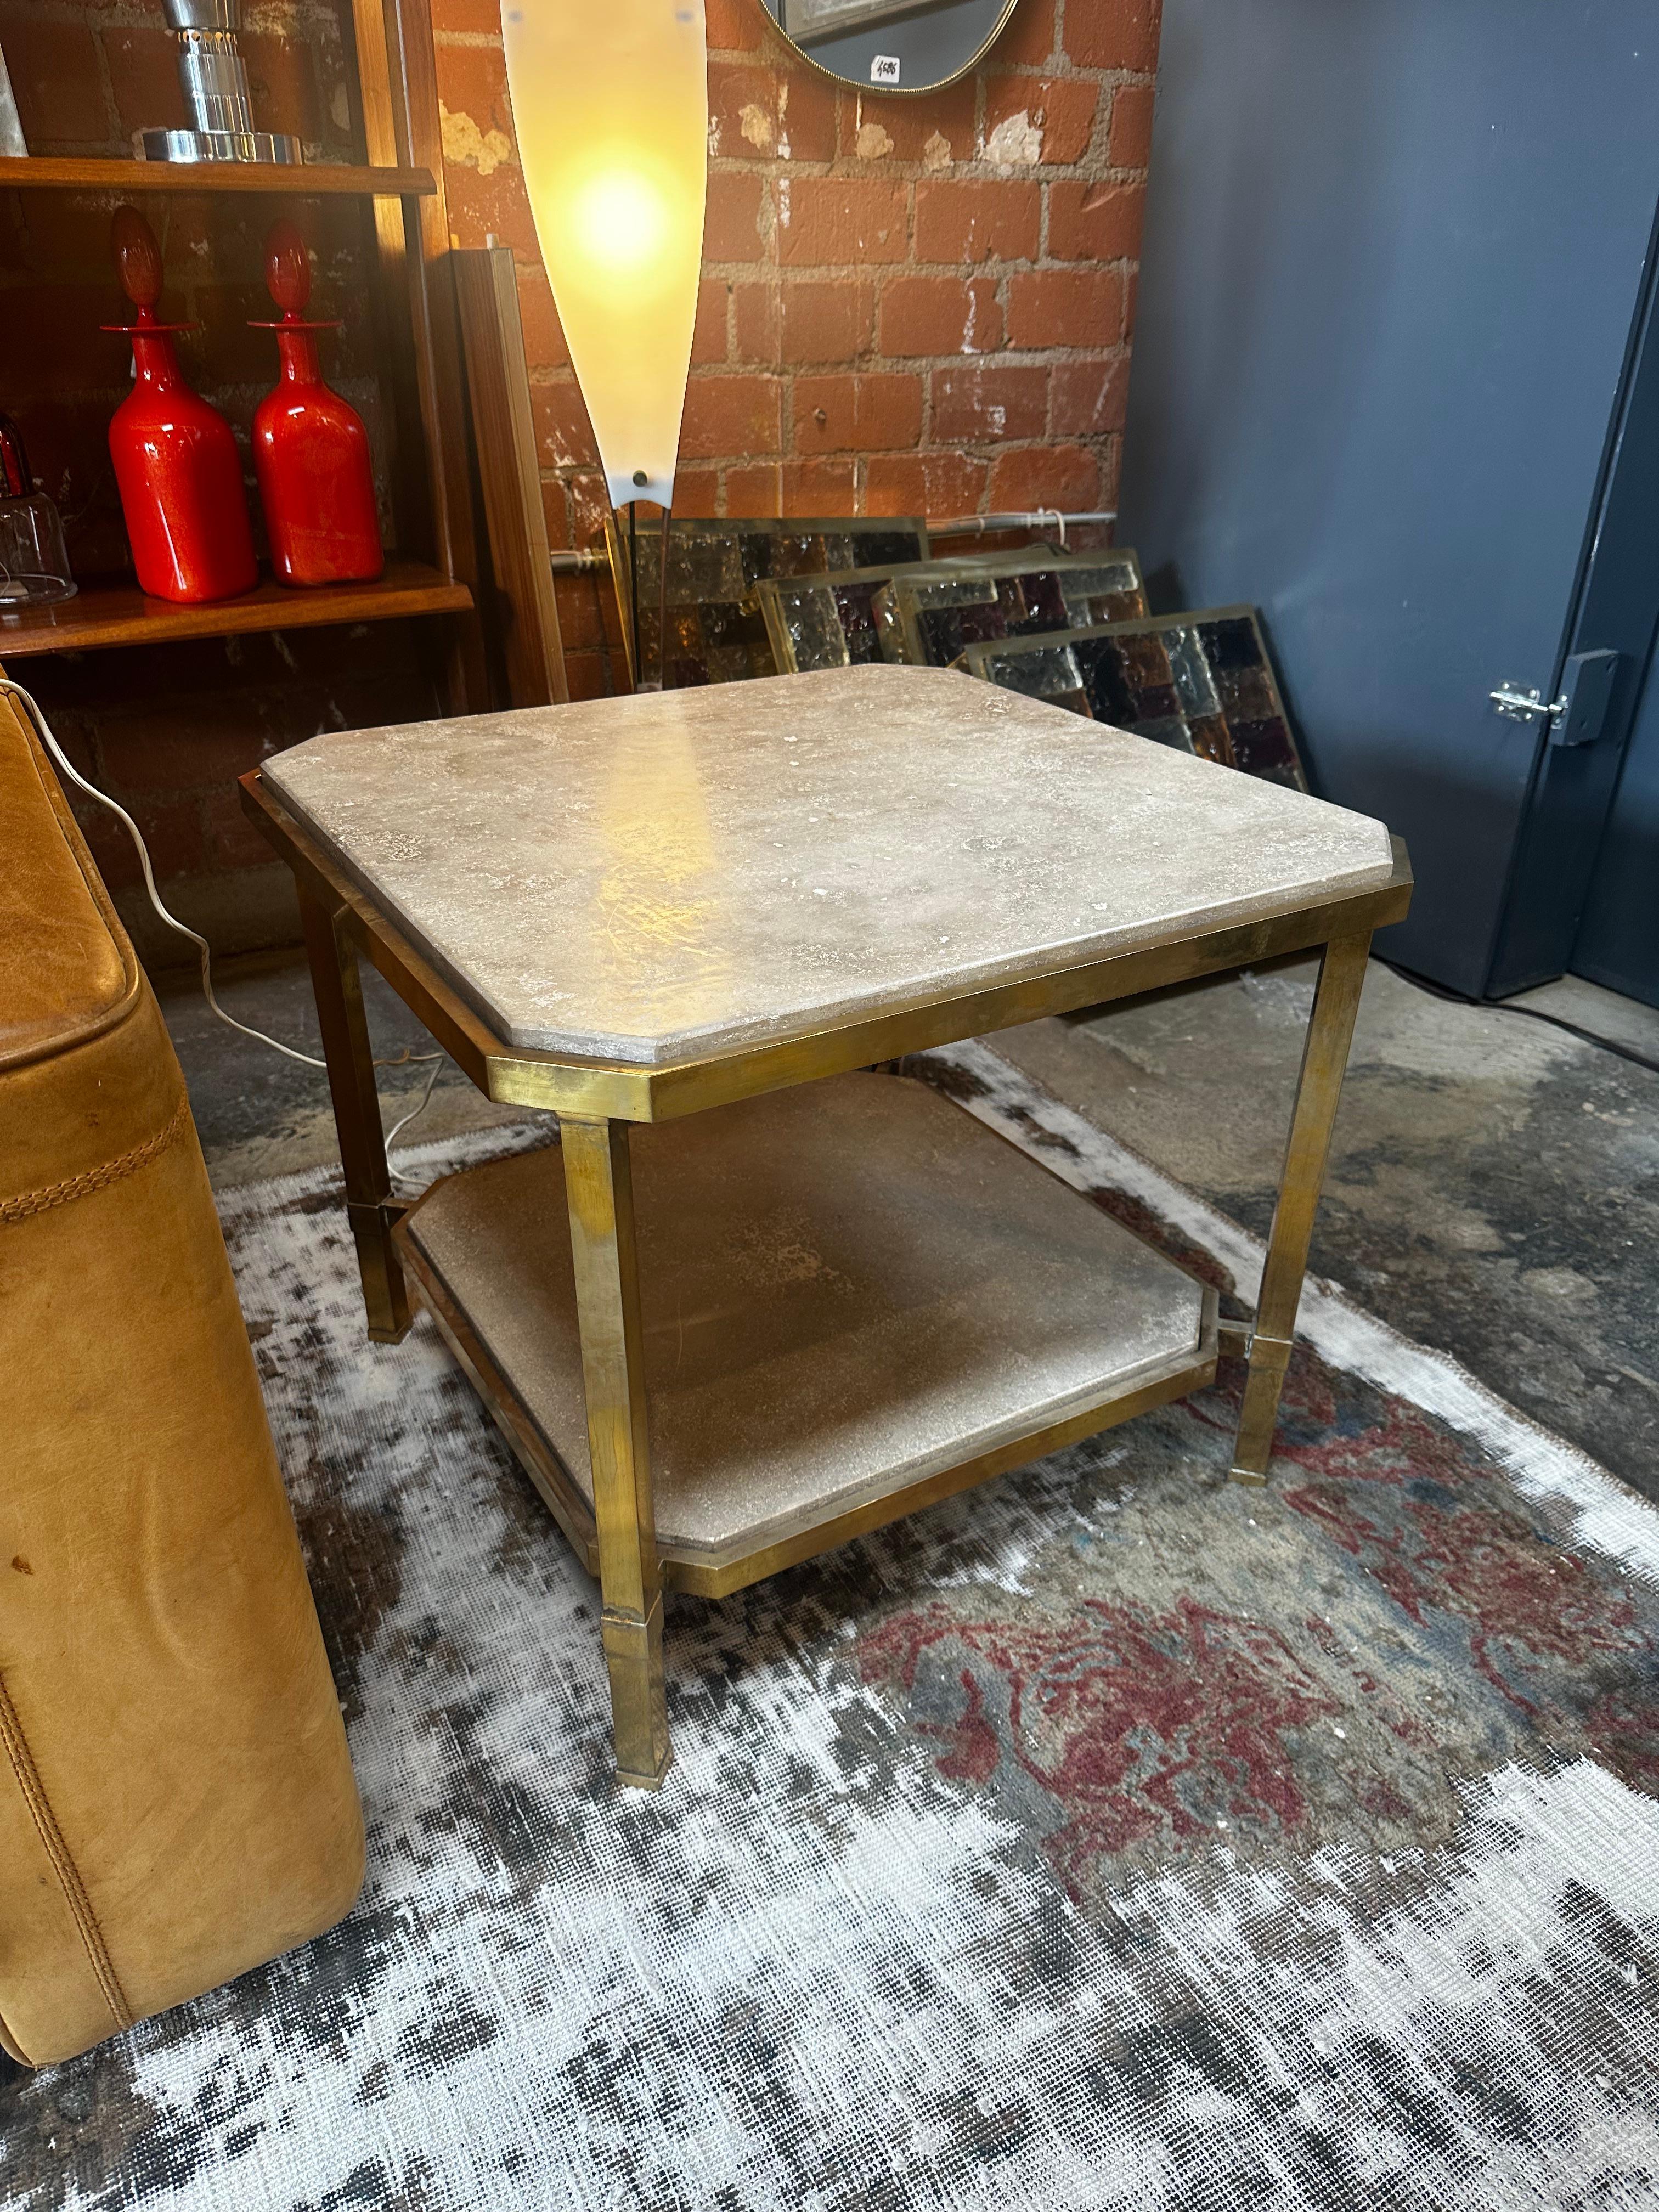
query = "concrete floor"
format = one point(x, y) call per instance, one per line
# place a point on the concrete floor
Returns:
point(1494, 1186)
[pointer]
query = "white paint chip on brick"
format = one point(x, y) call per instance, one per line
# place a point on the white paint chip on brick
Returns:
point(1014, 143)
point(469, 148)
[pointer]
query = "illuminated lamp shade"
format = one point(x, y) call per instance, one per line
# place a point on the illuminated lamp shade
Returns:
point(610, 106)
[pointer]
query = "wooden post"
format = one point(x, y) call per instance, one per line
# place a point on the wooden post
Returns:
point(504, 434)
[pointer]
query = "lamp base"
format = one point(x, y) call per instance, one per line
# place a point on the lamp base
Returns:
point(278, 146)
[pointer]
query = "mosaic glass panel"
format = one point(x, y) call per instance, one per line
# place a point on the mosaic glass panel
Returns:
point(836, 621)
point(832, 621)
point(717, 631)
point(932, 619)
point(1202, 682)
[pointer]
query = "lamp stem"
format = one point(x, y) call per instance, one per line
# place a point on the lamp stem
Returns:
point(662, 603)
point(633, 587)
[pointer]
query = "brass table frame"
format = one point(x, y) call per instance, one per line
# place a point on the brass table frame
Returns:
point(596, 1100)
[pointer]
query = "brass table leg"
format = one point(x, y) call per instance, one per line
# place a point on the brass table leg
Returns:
point(370, 1206)
point(599, 1192)
point(1324, 1062)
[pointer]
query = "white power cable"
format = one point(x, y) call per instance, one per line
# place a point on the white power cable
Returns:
point(66, 767)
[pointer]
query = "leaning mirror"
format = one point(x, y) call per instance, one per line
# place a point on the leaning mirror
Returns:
point(896, 46)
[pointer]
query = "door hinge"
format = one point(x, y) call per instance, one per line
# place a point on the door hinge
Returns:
point(1579, 714)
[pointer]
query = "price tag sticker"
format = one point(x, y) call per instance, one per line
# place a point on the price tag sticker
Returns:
point(883, 69)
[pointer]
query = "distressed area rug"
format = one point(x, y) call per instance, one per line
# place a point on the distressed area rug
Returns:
point(1110, 1836)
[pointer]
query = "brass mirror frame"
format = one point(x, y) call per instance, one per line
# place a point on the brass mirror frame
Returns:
point(889, 91)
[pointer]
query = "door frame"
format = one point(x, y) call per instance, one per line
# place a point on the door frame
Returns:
point(1614, 605)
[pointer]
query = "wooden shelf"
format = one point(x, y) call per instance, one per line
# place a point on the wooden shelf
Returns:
point(120, 614)
point(295, 181)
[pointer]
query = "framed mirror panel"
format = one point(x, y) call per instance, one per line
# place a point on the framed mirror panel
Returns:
point(1202, 682)
point(891, 46)
point(932, 619)
point(717, 633)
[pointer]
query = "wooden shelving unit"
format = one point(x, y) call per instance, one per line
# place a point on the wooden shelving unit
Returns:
point(412, 311)
point(330, 180)
point(120, 614)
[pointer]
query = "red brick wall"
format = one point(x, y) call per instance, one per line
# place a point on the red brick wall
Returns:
point(909, 305)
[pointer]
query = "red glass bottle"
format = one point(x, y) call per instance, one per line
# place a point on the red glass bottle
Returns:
point(176, 464)
point(310, 448)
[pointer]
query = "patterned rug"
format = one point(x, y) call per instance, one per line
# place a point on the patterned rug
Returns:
point(1110, 1836)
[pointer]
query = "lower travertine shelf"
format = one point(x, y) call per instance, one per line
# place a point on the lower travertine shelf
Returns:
point(846, 1288)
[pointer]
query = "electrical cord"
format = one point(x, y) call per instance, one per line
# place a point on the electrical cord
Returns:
point(1532, 1013)
point(31, 706)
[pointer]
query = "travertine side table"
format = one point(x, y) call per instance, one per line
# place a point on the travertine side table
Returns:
point(838, 1298)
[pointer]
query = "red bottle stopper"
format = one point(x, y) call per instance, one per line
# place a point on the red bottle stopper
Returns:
point(176, 464)
point(310, 448)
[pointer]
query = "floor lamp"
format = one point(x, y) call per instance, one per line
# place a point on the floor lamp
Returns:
point(610, 107)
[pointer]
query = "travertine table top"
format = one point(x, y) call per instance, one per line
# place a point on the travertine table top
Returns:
point(655, 879)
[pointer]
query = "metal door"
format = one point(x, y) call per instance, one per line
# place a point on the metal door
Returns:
point(1618, 942)
point(1393, 256)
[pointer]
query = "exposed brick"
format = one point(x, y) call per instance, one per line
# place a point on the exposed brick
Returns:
point(555, 509)
point(809, 124)
point(938, 484)
point(1129, 141)
point(731, 225)
point(172, 827)
point(827, 320)
point(480, 207)
point(696, 491)
point(582, 616)
point(935, 130)
point(940, 314)
point(1061, 109)
point(978, 220)
point(883, 251)
point(223, 350)
point(819, 487)
point(1029, 37)
point(564, 438)
point(1093, 221)
point(744, 103)
point(974, 405)
point(755, 491)
point(283, 87)
point(1067, 476)
point(708, 333)
point(734, 25)
point(588, 675)
point(732, 414)
point(55, 343)
point(758, 322)
point(834, 220)
point(474, 85)
point(466, 16)
point(544, 338)
point(232, 840)
point(1066, 307)
point(55, 75)
point(813, 487)
point(1113, 35)
point(856, 414)
point(143, 69)
point(1086, 399)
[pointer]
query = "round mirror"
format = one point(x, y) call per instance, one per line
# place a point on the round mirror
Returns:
point(890, 45)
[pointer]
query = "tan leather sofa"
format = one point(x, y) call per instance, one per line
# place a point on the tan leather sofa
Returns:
point(176, 1800)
